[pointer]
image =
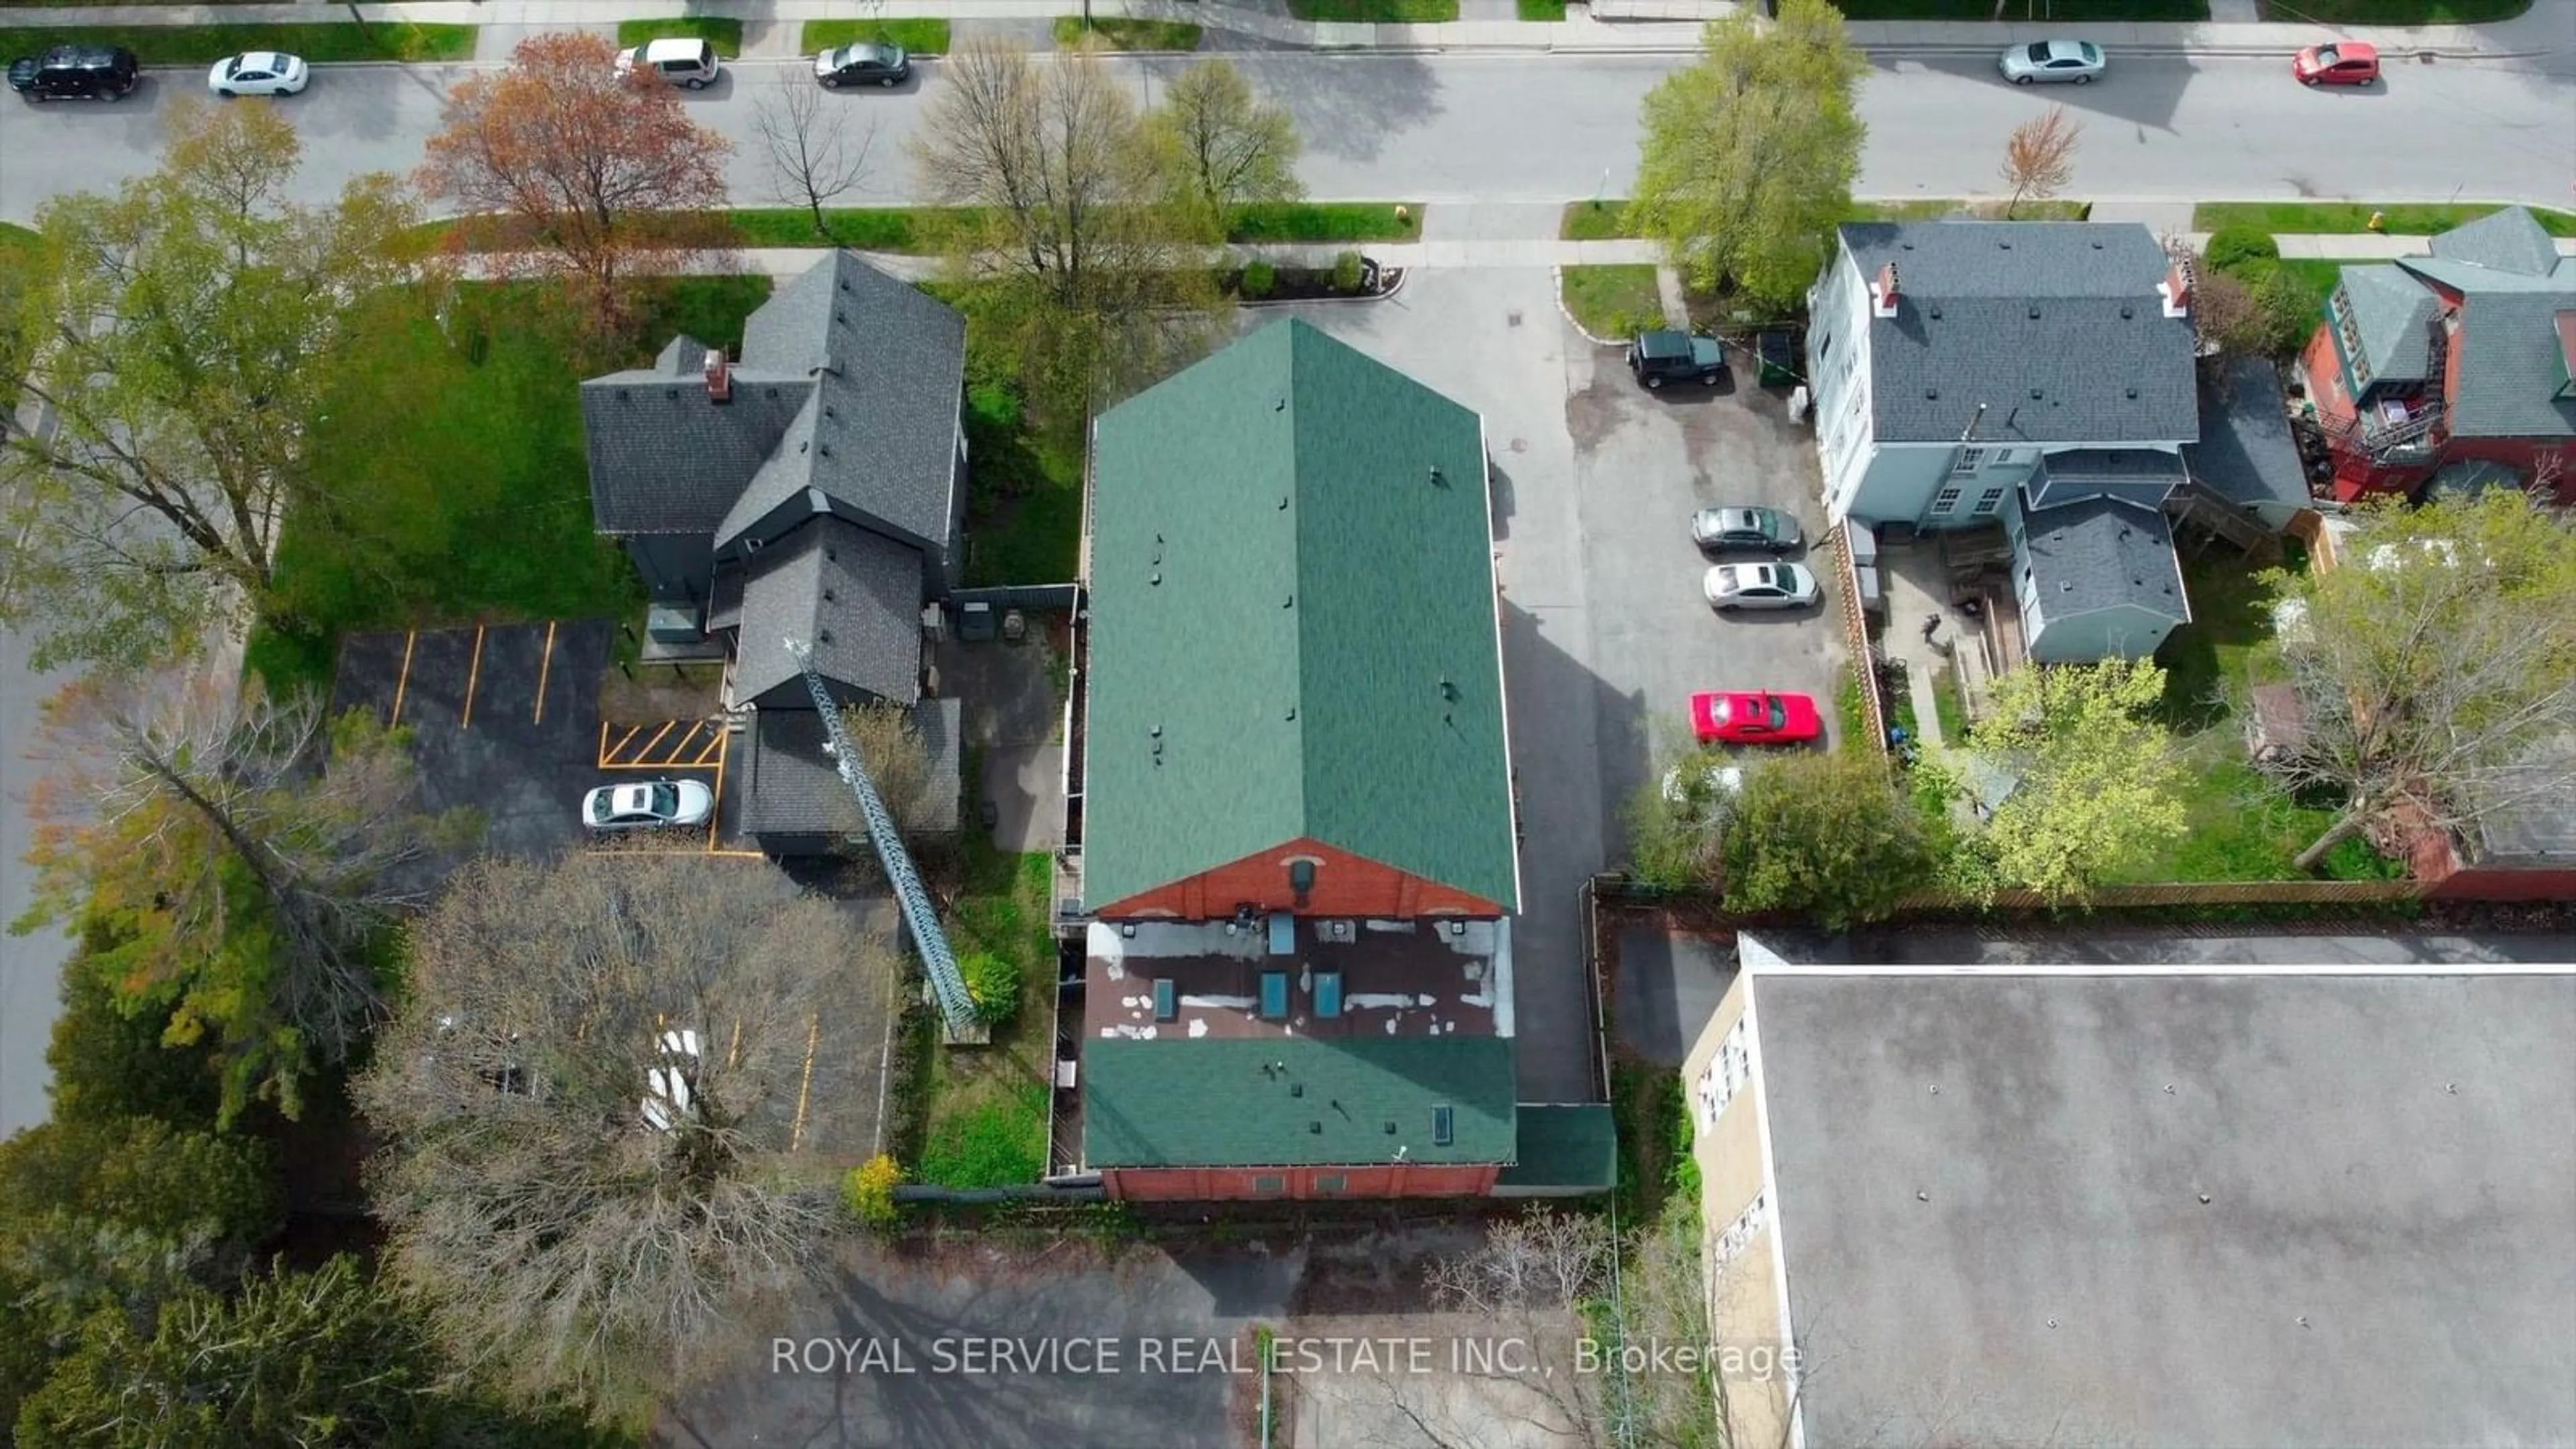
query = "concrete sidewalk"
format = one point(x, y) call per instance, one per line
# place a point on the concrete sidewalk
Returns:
point(1657, 26)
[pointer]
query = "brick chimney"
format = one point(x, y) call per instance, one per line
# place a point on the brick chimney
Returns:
point(719, 377)
point(2176, 288)
point(1883, 291)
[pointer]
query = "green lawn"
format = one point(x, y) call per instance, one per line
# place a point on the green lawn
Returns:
point(1934, 208)
point(2334, 218)
point(465, 448)
point(987, 1106)
point(1602, 220)
point(1613, 301)
point(725, 34)
point(1398, 12)
point(1119, 33)
point(919, 37)
point(1327, 221)
point(2320, 274)
point(206, 44)
point(2026, 11)
point(2393, 12)
point(1948, 707)
point(1542, 10)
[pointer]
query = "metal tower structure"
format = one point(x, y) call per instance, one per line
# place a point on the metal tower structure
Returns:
point(947, 984)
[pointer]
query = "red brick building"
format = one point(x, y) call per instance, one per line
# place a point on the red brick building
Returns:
point(2452, 364)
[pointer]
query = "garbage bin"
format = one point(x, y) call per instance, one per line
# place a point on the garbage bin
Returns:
point(1777, 350)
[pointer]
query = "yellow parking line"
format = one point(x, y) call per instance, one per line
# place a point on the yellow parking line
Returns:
point(714, 748)
point(715, 817)
point(402, 681)
point(682, 743)
point(805, 1087)
point(545, 666)
point(473, 675)
point(651, 744)
point(608, 753)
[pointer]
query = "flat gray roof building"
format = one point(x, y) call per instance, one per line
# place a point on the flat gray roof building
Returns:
point(2148, 1205)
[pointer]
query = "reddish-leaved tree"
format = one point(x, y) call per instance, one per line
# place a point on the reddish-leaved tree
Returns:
point(578, 173)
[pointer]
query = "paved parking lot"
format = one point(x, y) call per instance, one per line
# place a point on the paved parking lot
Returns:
point(1604, 627)
point(505, 719)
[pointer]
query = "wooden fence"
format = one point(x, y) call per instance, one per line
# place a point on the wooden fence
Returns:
point(1856, 635)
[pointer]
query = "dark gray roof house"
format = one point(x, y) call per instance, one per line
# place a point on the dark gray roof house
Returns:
point(812, 489)
point(829, 459)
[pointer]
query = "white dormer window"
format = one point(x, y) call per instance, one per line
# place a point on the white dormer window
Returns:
point(1969, 460)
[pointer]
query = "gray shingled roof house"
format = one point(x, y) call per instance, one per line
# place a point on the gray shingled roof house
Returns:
point(2463, 356)
point(813, 488)
point(2040, 376)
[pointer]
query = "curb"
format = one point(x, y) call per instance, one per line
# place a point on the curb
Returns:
point(1557, 273)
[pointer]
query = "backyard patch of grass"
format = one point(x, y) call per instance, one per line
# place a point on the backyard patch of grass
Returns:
point(1326, 221)
point(724, 33)
point(1613, 301)
point(987, 1108)
point(918, 37)
point(2393, 12)
point(1934, 208)
point(206, 44)
point(1542, 10)
point(908, 229)
point(1383, 12)
point(2207, 662)
point(2337, 218)
point(1117, 32)
point(1023, 495)
point(2321, 275)
point(1594, 221)
point(2026, 10)
point(465, 446)
point(1948, 709)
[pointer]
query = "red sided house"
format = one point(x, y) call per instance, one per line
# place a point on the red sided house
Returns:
point(1298, 847)
point(2453, 365)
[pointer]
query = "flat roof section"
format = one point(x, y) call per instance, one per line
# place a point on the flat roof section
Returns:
point(1990, 1204)
point(1396, 978)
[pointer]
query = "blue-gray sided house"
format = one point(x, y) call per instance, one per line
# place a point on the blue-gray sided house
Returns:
point(2039, 377)
point(813, 488)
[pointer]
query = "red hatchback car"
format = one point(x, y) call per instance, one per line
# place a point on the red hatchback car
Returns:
point(1754, 719)
point(2344, 63)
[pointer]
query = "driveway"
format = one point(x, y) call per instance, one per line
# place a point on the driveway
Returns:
point(1604, 628)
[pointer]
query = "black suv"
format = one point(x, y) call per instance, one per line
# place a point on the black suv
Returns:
point(75, 72)
point(1661, 357)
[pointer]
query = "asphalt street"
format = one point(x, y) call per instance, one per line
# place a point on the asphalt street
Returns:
point(1547, 128)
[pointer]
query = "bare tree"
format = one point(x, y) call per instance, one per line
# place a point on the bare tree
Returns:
point(898, 762)
point(600, 1099)
point(1231, 149)
point(1094, 279)
point(2436, 669)
point(813, 155)
point(2039, 156)
point(246, 879)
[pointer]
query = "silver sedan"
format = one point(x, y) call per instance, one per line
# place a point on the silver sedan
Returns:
point(2076, 62)
point(1759, 586)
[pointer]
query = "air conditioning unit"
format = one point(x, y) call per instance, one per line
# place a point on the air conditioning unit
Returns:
point(1798, 403)
point(1338, 931)
point(673, 624)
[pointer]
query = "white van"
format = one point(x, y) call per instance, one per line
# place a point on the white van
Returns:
point(681, 60)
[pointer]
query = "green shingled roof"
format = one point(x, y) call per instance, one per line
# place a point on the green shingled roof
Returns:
point(1564, 1146)
point(1293, 625)
point(1233, 1101)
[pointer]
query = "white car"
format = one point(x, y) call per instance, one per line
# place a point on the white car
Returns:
point(1759, 586)
point(667, 1092)
point(258, 73)
point(648, 806)
point(2075, 62)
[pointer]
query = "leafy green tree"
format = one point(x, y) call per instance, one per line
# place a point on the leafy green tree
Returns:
point(1226, 149)
point(2100, 779)
point(182, 333)
point(145, 1175)
point(238, 873)
point(1750, 151)
point(111, 1063)
point(2435, 667)
point(321, 1360)
point(1825, 834)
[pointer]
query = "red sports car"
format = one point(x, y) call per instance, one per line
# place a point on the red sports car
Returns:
point(1755, 719)
point(2344, 63)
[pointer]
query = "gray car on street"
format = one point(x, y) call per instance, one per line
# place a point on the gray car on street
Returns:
point(1759, 586)
point(1733, 530)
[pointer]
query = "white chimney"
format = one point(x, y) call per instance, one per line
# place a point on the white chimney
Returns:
point(1883, 291)
point(719, 377)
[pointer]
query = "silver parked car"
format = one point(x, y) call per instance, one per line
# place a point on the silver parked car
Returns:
point(1759, 586)
point(1765, 530)
point(648, 806)
point(2076, 62)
